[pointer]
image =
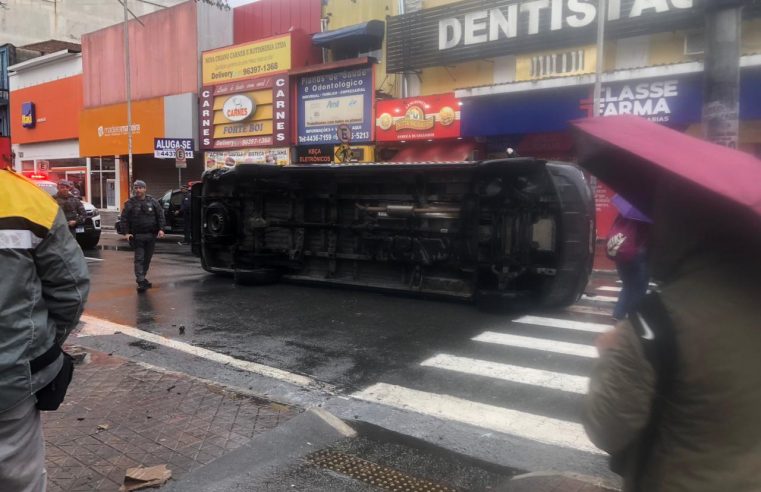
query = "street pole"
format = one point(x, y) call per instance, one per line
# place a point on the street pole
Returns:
point(721, 83)
point(129, 94)
point(601, 13)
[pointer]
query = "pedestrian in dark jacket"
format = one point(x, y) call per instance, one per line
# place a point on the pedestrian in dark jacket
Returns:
point(185, 212)
point(72, 207)
point(142, 220)
point(705, 435)
point(43, 289)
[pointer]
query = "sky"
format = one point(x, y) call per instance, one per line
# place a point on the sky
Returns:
point(238, 3)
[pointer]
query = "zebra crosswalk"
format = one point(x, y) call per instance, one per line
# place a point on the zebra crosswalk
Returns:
point(525, 377)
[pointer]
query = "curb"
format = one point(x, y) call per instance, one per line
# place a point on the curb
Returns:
point(601, 483)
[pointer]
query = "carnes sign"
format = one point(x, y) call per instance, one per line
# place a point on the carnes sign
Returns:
point(477, 29)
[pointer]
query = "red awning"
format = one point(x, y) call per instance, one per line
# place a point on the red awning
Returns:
point(632, 154)
point(441, 151)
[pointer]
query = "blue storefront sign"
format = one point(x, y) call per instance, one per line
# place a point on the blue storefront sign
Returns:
point(672, 101)
point(328, 100)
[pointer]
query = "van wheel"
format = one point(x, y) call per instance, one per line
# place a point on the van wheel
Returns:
point(258, 276)
point(88, 242)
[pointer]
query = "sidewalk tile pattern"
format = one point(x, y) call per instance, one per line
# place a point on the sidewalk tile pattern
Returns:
point(119, 414)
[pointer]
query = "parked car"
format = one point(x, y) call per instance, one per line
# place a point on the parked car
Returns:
point(88, 234)
point(170, 203)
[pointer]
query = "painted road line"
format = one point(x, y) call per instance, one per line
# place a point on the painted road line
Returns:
point(599, 298)
point(93, 259)
point(576, 308)
point(92, 326)
point(564, 323)
point(651, 284)
point(537, 344)
point(545, 430)
point(506, 372)
point(609, 288)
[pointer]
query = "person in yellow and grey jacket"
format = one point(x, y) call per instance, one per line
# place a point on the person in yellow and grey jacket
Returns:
point(43, 289)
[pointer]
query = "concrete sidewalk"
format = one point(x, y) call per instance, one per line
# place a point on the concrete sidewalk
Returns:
point(120, 414)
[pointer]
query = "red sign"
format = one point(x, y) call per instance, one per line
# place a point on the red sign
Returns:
point(418, 118)
point(606, 212)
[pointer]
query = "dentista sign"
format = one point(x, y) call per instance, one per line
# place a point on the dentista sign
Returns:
point(482, 29)
point(483, 26)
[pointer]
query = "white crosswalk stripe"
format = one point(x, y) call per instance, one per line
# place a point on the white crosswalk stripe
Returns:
point(536, 394)
point(566, 348)
point(599, 298)
point(609, 288)
point(537, 428)
point(563, 323)
point(507, 372)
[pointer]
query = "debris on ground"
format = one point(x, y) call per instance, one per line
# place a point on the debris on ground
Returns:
point(142, 478)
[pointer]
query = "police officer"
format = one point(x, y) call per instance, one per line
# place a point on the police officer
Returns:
point(72, 207)
point(142, 220)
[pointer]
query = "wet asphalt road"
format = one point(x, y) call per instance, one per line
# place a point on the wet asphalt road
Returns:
point(346, 339)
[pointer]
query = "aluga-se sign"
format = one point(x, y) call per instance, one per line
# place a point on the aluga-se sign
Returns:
point(536, 16)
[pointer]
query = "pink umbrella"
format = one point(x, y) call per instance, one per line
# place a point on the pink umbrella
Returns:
point(632, 154)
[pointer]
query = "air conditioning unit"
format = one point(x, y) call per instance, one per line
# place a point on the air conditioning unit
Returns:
point(694, 43)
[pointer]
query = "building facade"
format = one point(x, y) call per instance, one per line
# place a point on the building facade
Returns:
point(45, 104)
point(165, 77)
point(524, 69)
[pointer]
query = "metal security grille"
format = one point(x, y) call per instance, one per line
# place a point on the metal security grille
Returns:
point(557, 63)
point(374, 474)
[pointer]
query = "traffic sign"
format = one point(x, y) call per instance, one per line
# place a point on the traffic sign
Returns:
point(180, 159)
point(344, 134)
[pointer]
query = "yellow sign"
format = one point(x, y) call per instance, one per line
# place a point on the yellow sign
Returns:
point(245, 61)
point(247, 129)
point(354, 153)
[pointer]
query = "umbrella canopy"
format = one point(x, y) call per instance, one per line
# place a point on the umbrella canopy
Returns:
point(627, 210)
point(633, 155)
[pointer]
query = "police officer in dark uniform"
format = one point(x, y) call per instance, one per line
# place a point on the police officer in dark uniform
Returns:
point(72, 207)
point(142, 220)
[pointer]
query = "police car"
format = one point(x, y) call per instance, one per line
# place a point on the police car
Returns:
point(88, 234)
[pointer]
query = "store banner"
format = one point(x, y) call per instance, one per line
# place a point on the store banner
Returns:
point(280, 156)
point(104, 131)
point(46, 112)
point(418, 118)
point(674, 101)
point(340, 97)
point(252, 113)
point(315, 154)
point(245, 61)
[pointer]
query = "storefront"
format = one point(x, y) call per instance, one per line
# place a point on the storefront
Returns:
point(46, 99)
point(245, 104)
point(535, 121)
point(335, 104)
point(104, 141)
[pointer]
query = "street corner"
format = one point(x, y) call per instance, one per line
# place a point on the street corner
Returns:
point(120, 414)
point(559, 482)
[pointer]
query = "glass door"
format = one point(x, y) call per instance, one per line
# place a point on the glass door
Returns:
point(103, 182)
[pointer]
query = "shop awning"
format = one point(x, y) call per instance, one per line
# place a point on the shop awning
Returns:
point(442, 151)
point(368, 33)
